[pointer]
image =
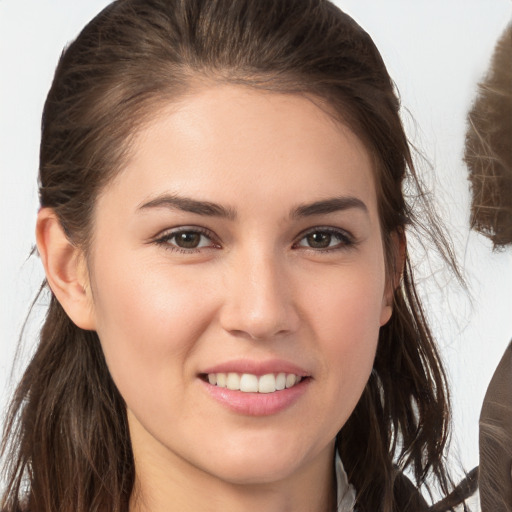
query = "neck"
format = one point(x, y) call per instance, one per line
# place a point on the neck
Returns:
point(244, 498)
point(167, 483)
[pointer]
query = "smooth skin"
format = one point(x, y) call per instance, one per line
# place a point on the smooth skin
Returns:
point(281, 258)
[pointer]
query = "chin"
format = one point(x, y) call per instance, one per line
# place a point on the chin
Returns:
point(256, 462)
point(255, 472)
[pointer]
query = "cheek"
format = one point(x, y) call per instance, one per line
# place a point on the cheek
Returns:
point(148, 322)
point(346, 315)
point(348, 301)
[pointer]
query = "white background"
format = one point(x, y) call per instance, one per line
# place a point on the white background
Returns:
point(436, 51)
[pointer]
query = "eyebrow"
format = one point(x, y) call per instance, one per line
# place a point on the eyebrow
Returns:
point(326, 206)
point(210, 209)
point(188, 204)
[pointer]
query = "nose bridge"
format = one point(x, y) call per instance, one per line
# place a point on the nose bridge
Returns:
point(259, 298)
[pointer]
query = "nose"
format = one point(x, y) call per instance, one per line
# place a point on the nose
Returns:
point(259, 299)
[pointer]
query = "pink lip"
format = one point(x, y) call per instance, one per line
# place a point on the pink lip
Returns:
point(257, 367)
point(257, 404)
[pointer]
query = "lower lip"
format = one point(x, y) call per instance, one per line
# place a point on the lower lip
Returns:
point(257, 404)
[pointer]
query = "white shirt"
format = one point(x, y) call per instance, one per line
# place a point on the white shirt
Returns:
point(346, 494)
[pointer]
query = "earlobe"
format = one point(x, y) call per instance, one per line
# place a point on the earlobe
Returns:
point(385, 314)
point(65, 268)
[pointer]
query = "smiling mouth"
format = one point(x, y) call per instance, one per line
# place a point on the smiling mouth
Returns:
point(250, 383)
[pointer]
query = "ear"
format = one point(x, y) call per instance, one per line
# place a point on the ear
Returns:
point(65, 268)
point(398, 252)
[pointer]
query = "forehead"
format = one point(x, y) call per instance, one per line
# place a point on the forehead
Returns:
point(235, 144)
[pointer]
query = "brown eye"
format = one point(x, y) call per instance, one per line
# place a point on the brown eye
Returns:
point(188, 240)
point(329, 238)
point(319, 240)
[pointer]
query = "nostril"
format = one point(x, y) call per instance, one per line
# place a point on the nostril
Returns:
point(258, 334)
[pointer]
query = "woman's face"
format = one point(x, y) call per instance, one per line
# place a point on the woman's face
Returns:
point(239, 247)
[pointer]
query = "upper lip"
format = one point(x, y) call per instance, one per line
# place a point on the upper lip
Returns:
point(257, 367)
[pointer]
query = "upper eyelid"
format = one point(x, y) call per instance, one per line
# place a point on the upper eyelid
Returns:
point(346, 239)
point(185, 229)
point(328, 229)
point(168, 233)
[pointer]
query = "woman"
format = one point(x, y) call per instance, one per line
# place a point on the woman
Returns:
point(233, 312)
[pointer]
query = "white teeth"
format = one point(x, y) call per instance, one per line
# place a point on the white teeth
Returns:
point(267, 383)
point(221, 380)
point(249, 383)
point(280, 381)
point(233, 381)
point(290, 380)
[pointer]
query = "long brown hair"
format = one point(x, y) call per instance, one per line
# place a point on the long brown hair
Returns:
point(67, 443)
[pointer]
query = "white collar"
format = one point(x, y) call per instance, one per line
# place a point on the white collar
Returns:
point(346, 493)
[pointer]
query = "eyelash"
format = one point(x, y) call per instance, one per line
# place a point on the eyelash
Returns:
point(164, 240)
point(345, 239)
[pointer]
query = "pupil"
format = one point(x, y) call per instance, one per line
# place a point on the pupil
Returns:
point(188, 240)
point(319, 240)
